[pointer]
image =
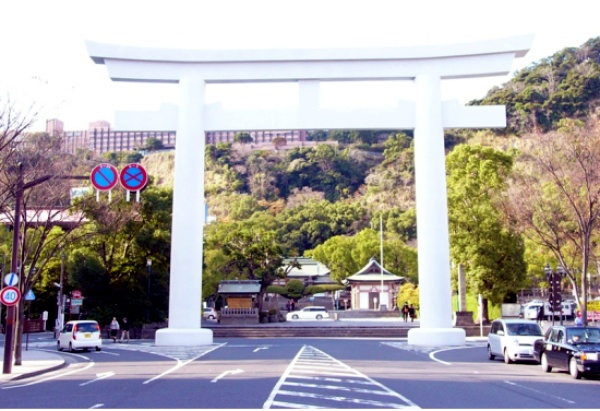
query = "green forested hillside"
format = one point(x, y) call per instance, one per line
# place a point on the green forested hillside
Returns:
point(566, 84)
point(320, 200)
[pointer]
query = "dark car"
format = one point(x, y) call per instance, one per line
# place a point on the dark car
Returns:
point(570, 348)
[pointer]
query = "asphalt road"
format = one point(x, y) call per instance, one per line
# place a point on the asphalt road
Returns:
point(295, 373)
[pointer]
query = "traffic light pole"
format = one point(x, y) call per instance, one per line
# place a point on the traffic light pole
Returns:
point(555, 289)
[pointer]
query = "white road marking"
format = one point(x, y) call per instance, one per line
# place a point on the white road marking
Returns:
point(53, 377)
point(96, 406)
point(431, 350)
point(99, 377)
point(312, 370)
point(181, 363)
point(545, 394)
point(226, 373)
point(260, 348)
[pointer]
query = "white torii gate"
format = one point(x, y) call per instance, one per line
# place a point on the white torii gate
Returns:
point(426, 66)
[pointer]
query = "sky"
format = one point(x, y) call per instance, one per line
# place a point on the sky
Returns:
point(44, 60)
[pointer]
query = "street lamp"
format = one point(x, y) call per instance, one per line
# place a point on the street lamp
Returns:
point(149, 265)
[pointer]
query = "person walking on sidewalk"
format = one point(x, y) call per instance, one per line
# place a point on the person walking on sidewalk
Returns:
point(405, 312)
point(125, 330)
point(114, 329)
point(412, 313)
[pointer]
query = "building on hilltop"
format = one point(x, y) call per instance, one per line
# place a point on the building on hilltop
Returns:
point(100, 138)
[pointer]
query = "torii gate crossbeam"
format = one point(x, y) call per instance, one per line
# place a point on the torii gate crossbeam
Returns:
point(427, 115)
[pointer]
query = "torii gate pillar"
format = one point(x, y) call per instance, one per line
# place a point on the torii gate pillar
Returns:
point(428, 116)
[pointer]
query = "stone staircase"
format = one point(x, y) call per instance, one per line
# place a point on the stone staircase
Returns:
point(266, 331)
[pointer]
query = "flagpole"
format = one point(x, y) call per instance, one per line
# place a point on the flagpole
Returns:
point(381, 259)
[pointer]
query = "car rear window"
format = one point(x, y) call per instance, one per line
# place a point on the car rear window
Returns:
point(86, 327)
point(524, 329)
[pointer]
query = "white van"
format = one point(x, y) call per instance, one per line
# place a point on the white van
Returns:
point(568, 308)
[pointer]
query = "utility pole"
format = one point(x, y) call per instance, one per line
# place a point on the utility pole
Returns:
point(60, 316)
point(21, 186)
point(10, 312)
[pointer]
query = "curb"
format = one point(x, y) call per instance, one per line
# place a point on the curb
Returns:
point(38, 372)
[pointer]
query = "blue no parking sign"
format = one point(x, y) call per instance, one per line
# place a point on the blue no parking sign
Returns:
point(133, 177)
point(104, 177)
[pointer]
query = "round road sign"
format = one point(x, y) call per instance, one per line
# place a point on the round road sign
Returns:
point(11, 279)
point(104, 177)
point(10, 295)
point(133, 177)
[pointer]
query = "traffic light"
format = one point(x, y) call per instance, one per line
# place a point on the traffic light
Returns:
point(555, 290)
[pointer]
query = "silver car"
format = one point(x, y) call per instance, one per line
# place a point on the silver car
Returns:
point(80, 335)
point(513, 339)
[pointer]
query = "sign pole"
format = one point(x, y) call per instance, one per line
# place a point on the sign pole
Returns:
point(10, 312)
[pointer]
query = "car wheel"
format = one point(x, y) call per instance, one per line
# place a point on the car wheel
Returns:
point(98, 349)
point(211, 317)
point(58, 347)
point(575, 373)
point(491, 356)
point(295, 317)
point(319, 316)
point(545, 366)
point(71, 348)
point(507, 359)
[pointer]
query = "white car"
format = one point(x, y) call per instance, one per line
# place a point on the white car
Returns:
point(209, 313)
point(513, 339)
point(80, 335)
point(308, 313)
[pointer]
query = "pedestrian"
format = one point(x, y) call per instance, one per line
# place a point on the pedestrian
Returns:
point(125, 330)
point(292, 305)
point(405, 311)
point(114, 329)
point(540, 314)
point(412, 313)
point(579, 320)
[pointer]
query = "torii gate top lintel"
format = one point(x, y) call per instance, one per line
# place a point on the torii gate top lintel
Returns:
point(466, 60)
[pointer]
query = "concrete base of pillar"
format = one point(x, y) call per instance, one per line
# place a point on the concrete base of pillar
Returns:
point(184, 336)
point(437, 336)
point(463, 318)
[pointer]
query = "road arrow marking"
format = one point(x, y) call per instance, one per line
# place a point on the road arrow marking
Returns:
point(99, 377)
point(226, 373)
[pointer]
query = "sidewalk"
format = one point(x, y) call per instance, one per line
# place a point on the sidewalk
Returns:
point(34, 362)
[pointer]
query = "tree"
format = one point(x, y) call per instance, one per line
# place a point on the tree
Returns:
point(554, 199)
point(491, 251)
point(345, 255)
point(251, 252)
point(279, 142)
point(121, 236)
point(35, 180)
point(14, 125)
point(153, 144)
point(243, 137)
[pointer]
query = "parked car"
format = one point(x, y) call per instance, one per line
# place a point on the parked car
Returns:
point(80, 335)
point(209, 313)
point(308, 313)
point(513, 339)
point(570, 348)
